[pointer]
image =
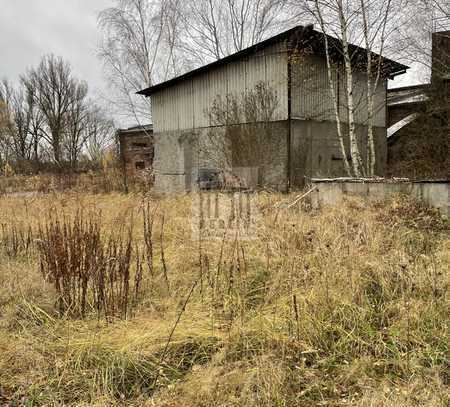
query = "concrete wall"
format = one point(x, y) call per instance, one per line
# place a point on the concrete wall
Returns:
point(176, 156)
point(179, 155)
point(435, 195)
point(316, 152)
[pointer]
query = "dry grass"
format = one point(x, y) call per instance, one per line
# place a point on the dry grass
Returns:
point(106, 180)
point(347, 306)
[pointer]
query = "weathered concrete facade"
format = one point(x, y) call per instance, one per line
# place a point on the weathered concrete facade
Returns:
point(316, 152)
point(136, 149)
point(180, 154)
point(433, 194)
point(305, 144)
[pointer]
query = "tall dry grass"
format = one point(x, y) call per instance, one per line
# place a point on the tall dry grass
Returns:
point(343, 306)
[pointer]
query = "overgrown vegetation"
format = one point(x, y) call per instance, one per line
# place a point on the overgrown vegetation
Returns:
point(344, 306)
point(109, 179)
point(87, 271)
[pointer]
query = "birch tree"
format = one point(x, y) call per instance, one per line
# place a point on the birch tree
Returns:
point(332, 88)
point(374, 32)
point(369, 24)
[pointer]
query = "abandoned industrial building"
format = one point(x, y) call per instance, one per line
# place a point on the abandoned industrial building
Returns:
point(136, 148)
point(299, 131)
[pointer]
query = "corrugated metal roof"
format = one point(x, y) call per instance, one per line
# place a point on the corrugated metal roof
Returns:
point(407, 94)
point(300, 37)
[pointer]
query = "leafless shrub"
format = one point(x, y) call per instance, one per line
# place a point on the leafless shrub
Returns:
point(88, 272)
point(244, 134)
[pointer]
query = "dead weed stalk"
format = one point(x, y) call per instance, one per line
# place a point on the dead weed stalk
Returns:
point(87, 271)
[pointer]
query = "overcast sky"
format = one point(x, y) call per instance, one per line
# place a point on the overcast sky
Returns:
point(32, 28)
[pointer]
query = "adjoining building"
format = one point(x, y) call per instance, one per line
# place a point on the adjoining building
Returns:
point(405, 103)
point(415, 112)
point(299, 135)
point(136, 149)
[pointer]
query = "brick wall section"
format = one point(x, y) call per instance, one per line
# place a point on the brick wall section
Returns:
point(137, 151)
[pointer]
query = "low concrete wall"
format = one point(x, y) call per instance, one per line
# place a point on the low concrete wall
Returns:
point(433, 194)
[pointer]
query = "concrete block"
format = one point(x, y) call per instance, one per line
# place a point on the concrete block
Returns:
point(326, 194)
point(433, 194)
point(355, 189)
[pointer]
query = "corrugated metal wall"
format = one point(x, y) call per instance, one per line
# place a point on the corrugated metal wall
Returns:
point(311, 95)
point(360, 100)
point(184, 106)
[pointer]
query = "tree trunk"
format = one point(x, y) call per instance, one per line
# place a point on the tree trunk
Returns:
point(57, 151)
point(354, 149)
point(333, 94)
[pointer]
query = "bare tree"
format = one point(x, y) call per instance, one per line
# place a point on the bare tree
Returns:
point(139, 39)
point(414, 38)
point(217, 28)
point(22, 131)
point(77, 129)
point(55, 92)
point(101, 130)
point(4, 121)
point(369, 24)
point(20, 110)
point(149, 41)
